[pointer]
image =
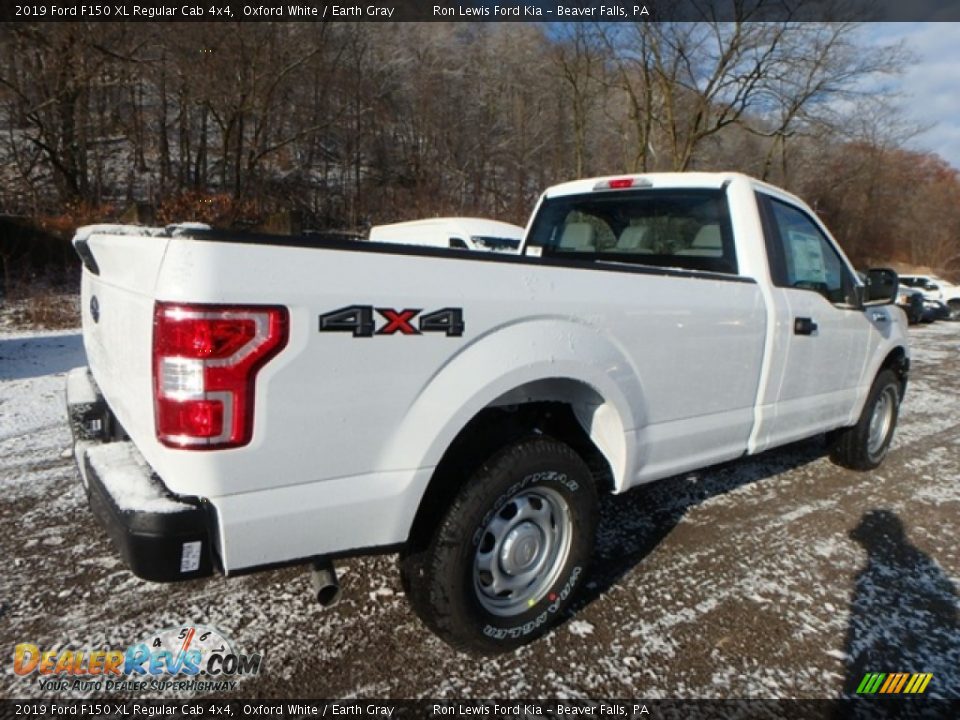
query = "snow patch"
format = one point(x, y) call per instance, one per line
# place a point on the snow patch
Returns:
point(580, 628)
point(380, 592)
point(87, 231)
point(185, 227)
point(128, 479)
point(172, 230)
point(80, 389)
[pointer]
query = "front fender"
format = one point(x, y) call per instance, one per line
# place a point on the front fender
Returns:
point(893, 336)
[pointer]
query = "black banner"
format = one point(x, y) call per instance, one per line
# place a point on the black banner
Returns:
point(478, 10)
point(106, 709)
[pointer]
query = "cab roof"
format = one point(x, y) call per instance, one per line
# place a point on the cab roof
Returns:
point(708, 180)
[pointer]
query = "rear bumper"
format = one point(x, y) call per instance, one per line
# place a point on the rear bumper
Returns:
point(160, 536)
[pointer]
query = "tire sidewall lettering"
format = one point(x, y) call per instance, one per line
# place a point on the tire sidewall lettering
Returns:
point(556, 476)
point(525, 628)
point(441, 577)
point(529, 626)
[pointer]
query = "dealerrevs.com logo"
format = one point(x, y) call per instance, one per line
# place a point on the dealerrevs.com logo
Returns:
point(187, 658)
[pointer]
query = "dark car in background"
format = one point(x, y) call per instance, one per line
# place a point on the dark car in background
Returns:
point(911, 302)
point(944, 295)
point(935, 310)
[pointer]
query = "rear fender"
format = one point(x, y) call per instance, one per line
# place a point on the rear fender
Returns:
point(539, 359)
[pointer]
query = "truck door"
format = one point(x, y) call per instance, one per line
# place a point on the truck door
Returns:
point(822, 333)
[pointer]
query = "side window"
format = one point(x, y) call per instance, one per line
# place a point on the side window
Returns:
point(804, 257)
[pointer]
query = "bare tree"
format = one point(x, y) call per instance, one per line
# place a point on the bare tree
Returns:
point(820, 83)
point(579, 61)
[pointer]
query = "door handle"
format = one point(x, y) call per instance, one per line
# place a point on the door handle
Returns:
point(804, 326)
point(879, 317)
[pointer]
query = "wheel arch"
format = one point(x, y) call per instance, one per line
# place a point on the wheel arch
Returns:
point(584, 392)
point(898, 361)
point(560, 408)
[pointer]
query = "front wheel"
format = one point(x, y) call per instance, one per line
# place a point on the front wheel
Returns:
point(506, 558)
point(864, 445)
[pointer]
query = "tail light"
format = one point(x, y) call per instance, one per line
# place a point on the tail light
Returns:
point(205, 363)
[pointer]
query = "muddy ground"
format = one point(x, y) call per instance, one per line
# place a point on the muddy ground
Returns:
point(779, 576)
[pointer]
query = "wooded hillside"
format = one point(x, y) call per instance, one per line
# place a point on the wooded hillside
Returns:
point(346, 125)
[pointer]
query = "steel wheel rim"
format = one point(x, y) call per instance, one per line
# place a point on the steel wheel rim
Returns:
point(881, 420)
point(522, 551)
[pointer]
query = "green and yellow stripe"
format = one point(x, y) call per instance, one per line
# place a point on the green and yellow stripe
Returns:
point(894, 683)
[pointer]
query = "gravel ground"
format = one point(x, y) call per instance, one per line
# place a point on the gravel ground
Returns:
point(780, 576)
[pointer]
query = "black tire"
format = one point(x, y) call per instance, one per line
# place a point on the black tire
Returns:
point(864, 445)
point(529, 511)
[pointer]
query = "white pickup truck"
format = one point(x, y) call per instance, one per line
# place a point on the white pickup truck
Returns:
point(464, 233)
point(253, 401)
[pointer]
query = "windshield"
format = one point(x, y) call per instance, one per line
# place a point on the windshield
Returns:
point(687, 229)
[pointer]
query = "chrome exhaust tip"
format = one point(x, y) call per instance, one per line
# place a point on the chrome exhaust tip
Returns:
point(326, 585)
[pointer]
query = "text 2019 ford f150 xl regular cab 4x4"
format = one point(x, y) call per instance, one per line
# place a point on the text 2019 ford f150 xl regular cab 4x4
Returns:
point(252, 401)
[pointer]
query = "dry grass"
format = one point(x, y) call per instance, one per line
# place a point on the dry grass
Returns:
point(42, 309)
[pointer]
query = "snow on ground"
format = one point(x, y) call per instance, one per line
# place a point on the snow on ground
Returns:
point(776, 576)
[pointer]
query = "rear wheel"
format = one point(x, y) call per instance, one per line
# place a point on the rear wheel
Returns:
point(864, 445)
point(504, 561)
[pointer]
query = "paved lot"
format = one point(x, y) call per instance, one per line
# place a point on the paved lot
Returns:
point(778, 576)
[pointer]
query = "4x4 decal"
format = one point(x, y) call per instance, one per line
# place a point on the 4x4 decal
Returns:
point(359, 320)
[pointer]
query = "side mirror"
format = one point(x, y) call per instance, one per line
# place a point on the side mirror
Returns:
point(881, 287)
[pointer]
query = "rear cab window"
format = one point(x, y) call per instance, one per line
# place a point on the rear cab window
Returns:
point(675, 228)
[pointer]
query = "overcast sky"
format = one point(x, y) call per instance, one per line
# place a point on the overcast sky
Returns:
point(930, 88)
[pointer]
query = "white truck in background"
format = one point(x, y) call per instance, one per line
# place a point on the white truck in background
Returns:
point(251, 401)
point(937, 290)
point(462, 233)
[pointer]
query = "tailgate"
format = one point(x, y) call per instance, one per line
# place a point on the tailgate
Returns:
point(121, 265)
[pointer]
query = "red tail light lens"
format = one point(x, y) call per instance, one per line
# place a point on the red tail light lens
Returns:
point(622, 183)
point(205, 363)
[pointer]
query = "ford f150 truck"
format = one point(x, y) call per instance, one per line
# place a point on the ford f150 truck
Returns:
point(253, 401)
